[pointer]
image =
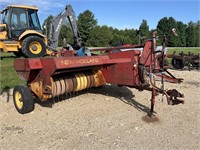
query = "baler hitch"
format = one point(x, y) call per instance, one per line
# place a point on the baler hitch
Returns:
point(171, 95)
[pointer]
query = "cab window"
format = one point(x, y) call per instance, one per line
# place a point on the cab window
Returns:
point(33, 20)
point(18, 19)
point(5, 15)
point(18, 22)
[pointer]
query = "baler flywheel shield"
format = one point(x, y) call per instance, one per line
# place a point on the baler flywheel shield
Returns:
point(64, 84)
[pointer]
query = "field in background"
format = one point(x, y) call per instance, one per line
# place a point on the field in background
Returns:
point(195, 50)
point(185, 50)
point(9, 78)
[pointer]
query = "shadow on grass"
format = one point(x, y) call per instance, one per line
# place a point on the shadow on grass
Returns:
point(6, 90)
point(5, 57)
point(121, 93)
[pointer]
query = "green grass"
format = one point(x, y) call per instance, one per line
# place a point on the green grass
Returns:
point(195, 50)
point(8, 76)
point(185, 50)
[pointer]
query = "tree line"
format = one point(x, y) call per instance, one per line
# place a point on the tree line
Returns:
point(94, 35)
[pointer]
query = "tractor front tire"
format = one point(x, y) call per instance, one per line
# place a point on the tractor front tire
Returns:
point(33, 47)
point(23, 99)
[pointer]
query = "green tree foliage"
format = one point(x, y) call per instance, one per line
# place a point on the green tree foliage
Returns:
point(162, 28)
point(197, 29)
point(134, 36)
point(86, 22)
point(46, 25)
point(144, 29)
point(181, 39)
point(120, 37)
point(94, 35)
point(188, 35)
point(191, 35)
point(116, 40)
point(65, 33)
point(165, 26)
point(100, 36)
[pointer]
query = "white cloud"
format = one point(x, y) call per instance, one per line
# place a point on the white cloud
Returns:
point(43, 5)
point(123, 26)
point(46, 7)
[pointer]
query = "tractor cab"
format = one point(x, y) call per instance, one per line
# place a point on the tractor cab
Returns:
point(15, 19)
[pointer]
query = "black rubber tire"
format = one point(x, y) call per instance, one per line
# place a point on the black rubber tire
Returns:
point(26, 99)
point(196, 65)
point(177, 63)
point(26, 47)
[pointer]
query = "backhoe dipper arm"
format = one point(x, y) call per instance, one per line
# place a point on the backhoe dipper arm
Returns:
point(56, 24)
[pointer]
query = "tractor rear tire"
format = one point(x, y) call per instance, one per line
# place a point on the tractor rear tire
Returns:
point(177, 63)
point(23, 99)
point(33, 46)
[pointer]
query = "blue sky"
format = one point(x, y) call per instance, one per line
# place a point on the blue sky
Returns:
point(120, 14)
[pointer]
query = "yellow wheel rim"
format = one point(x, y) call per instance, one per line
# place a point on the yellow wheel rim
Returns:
point(35, 47)
point(18, 100)
point(85, 81)
point(82, 81)
point(78, 82)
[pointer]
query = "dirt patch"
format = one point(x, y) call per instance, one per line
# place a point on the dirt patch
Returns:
point(111, 117)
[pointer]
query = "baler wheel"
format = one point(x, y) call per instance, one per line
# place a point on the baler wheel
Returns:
point(23, 99)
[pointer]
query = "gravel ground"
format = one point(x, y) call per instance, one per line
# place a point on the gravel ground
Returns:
point(107, 118)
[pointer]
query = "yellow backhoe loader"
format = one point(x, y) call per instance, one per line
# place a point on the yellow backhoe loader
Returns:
point(21, 32)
